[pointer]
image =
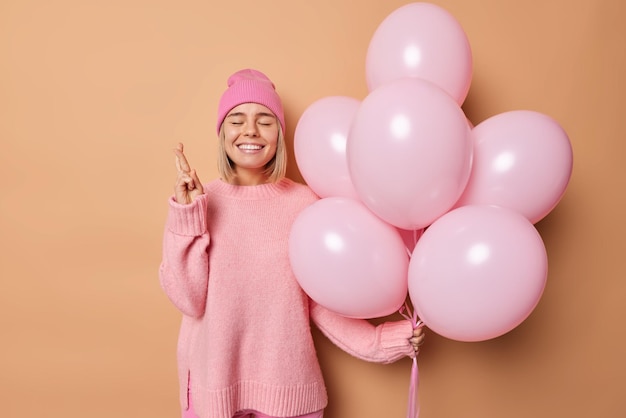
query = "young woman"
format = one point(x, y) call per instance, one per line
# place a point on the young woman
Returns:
point(245, 346)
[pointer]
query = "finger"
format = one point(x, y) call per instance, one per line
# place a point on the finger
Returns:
point(180, 170)
point(417, 341)
point(182, 188)
point(181, 160)
point(188, 181)
point(179, 147)
point(197, 181)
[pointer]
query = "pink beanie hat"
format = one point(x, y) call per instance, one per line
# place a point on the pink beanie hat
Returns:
point(250, 86)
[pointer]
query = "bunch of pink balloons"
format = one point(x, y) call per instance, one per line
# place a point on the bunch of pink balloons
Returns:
point(414, 199)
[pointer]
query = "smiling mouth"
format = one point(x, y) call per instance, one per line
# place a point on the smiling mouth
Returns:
point(249, 147)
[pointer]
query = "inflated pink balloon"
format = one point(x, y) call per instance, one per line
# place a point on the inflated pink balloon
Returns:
point(320, 145)
point(421, 40)
point(477, 272)
point(522, 161)
point(348, 260)
point(409, 152)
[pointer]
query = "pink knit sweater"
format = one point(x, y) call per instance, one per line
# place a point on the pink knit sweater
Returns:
point(245, 339)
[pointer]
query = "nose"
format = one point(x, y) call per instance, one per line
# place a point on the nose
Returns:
point(251, 130)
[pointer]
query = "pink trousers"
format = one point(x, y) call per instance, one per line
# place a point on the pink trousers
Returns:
point(190, 413)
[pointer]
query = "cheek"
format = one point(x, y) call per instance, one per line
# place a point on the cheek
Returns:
point(229, 134)
point(272, 137)
point(229, 140)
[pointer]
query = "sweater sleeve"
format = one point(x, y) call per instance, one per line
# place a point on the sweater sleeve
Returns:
point(385, 343)
point(184, 268)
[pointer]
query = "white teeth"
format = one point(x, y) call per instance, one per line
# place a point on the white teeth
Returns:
point(250, 147)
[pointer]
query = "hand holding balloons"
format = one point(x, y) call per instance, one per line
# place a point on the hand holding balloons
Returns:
point(463, 198)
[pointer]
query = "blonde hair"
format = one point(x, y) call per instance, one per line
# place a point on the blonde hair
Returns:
point(275, 170)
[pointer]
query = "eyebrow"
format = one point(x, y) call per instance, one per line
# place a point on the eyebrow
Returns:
point(260, 114)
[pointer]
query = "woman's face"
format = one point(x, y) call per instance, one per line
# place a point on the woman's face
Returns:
point(251, 137)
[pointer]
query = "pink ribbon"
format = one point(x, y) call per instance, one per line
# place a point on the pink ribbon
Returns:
point(413, 410)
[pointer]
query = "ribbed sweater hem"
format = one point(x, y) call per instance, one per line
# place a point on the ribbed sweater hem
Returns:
point(279, 401)
point(187, 220)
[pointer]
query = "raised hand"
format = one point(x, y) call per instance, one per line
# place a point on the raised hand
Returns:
point(188, 185)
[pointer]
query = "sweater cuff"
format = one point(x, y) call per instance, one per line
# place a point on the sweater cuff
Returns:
point(190, 219)
point(394, 339)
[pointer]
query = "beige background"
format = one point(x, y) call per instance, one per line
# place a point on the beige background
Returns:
point(95, 94)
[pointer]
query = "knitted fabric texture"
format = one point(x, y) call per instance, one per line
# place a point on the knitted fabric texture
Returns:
point(250, 86)
point(245, 341)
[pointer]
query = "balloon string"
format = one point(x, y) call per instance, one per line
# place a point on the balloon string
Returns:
point(417, 233)
point(413, 409)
